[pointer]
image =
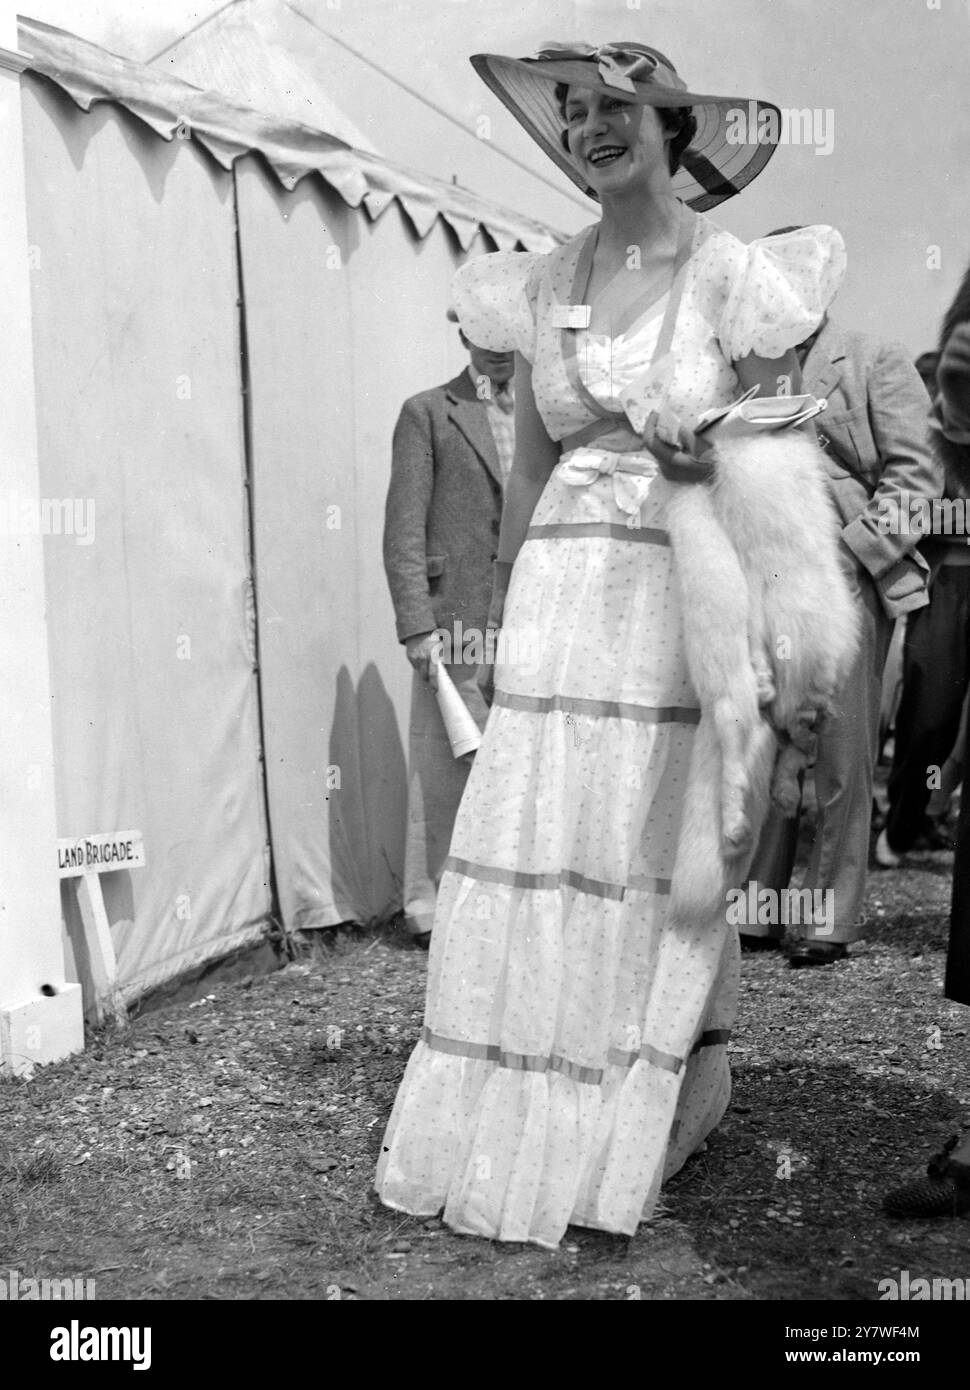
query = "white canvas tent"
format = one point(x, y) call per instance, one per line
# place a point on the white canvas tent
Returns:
point(228, 310)
point(294, 58)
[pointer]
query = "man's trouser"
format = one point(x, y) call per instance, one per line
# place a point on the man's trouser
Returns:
point(936, 668)
point(436, 781)
point(957, 984)
point(847, 751)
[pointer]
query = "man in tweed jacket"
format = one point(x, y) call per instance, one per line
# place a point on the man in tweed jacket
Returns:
point(451, 454)
point(875, 434)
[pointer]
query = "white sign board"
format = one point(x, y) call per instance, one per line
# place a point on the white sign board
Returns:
point(100, 854)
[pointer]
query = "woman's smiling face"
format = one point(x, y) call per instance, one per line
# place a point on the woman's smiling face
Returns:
point(614, 142)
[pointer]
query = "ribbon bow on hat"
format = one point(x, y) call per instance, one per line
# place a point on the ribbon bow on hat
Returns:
point(618, 66)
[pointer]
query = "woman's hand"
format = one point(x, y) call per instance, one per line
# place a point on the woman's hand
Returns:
point(684, 457)
point(698, 447)
point(485, 675)
point(501, 574)
point(424, 653)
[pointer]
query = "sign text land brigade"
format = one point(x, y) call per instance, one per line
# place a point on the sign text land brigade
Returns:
point(93, 854)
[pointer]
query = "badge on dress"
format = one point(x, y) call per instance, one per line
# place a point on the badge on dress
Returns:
point(571, 315)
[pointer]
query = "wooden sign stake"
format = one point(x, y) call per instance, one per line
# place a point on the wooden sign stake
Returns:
point(86, 859)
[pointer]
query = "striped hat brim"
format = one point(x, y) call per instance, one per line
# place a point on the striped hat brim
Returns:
point(733, 143)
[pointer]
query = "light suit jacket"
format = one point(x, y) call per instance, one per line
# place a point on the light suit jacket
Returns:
point(876, 437)
point(443, 511)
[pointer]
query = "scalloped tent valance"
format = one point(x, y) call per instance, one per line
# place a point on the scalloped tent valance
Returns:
point(227, 130)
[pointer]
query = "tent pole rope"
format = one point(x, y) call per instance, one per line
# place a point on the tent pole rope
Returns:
point(276, 915)
point(441, 111)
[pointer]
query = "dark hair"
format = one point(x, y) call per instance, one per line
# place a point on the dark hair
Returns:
point(926, 364)
point(959, 310)
point(679, 119)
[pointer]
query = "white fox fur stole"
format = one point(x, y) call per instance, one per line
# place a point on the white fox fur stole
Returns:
point(770, 629)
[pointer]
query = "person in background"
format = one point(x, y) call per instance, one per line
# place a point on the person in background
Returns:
point(929, 747)
point(451, 454)
point(946, 1189)
point(939, 806)
point(875, 437)
point(951, 417)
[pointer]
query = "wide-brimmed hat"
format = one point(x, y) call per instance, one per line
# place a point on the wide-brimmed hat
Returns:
point(732, 145)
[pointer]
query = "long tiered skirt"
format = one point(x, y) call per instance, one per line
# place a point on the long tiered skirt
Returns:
point(573, 1052)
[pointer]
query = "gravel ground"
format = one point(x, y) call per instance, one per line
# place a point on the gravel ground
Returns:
point(223, 1147)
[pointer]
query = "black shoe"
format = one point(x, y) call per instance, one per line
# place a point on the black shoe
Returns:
point(944, 1192)
point(759, 943)
point(802, 953)
point(422, 940)
point(935, 835)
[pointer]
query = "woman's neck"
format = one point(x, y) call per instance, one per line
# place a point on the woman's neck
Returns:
point(642, 218)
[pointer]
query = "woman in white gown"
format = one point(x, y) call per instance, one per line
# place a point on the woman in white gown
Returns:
point(573, 1053)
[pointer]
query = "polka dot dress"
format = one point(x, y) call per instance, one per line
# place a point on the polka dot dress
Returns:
point(573, 1052)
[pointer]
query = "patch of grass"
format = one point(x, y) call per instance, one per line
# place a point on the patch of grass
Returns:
point(43, 1167)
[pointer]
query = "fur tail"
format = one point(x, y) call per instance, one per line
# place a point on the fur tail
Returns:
point(706, 864)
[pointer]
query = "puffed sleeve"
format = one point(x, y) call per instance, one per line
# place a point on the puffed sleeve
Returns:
point(778, 289)
point(494, 297)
